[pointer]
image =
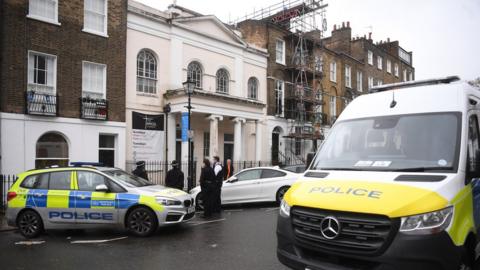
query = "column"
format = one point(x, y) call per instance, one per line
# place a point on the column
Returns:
point(237, 137)
point(214, 134)
point(176, 60)
point(172, 133)
point(258, 140)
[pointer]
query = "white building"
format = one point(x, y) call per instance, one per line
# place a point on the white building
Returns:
point(229, 102)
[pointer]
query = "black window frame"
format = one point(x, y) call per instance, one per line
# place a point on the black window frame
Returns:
point(272, 170)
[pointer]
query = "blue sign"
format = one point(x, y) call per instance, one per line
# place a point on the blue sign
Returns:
point(185, 127)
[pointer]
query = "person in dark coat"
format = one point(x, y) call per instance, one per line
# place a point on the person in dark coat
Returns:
point(175, 177)
point(140, 170)
point(218, 169)
point(228, 169)
point(208, 187)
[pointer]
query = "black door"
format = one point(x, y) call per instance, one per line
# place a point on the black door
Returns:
point(275, 147)
point(228, 151)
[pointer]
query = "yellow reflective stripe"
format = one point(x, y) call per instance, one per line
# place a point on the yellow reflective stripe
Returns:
point(102, 200)
point(20, 201)
point(73, 181)
point(150, 202)
point(462, 223)
point(58, 198)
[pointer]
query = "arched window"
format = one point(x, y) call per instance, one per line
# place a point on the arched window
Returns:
point(223, 80)
point(253, 88)
point(195, 73)
point(146, 72)
point(51, 149)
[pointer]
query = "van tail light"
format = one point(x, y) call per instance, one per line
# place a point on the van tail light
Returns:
point(11, 195)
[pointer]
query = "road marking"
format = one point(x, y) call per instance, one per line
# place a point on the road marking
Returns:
point(97, 241)
point(29, 243)
point(233, 210)
point(205, 222)
point(271, 209)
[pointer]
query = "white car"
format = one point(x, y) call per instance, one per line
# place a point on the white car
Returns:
point(261, 184)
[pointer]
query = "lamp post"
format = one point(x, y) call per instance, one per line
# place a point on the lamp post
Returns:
point(189, 86)
point(166, 110)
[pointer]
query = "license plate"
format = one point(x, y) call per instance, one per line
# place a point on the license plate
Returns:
point(190, 210)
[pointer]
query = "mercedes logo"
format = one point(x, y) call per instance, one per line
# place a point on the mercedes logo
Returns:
point(330, 228)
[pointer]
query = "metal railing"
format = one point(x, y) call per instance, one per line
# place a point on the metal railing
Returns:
point(6, 181)
point(157, 170)
point(38, 103)
point(95, 109)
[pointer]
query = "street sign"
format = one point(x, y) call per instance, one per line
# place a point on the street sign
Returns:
point(184, 127)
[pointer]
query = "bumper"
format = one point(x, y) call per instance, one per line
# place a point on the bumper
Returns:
point(175, 215)
point(405, 252)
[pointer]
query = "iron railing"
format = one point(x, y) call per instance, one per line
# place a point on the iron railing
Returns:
point(94, 109)
point(6, 181)
point(157, 170)
point(38, 103)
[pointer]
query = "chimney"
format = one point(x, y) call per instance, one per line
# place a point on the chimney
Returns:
point(370, 35)
point(334, 27)
point(365, 36)
point(348, 24)
point(388, 40)
point(343, 24)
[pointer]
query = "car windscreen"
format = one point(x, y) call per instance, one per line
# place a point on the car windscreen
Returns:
point(417, 142)
point(127, 179)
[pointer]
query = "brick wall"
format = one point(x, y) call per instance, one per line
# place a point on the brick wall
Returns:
point(71, 46)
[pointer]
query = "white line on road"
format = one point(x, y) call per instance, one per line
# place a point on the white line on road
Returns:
point(29, 243)
point(97, 241)
point(271, 209)
point(205, 222)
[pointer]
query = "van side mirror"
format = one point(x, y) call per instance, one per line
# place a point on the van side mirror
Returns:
point(101, 188)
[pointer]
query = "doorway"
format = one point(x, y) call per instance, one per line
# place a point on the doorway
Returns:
point(276, 145)
point(228, 147)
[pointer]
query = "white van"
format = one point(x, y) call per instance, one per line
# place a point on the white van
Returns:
point(394, 185)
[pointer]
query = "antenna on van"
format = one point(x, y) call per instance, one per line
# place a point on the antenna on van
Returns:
point(393, 103)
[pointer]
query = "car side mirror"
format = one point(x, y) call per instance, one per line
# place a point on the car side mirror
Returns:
point(101, 188)
point(232, 180)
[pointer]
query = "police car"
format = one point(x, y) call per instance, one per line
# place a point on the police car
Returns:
point(93, 197)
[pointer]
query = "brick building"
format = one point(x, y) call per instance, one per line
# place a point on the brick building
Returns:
point(338, 69)
point(62, 82)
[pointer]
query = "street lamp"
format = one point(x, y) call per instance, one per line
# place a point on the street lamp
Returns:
point(166, 110)
point(189, 86)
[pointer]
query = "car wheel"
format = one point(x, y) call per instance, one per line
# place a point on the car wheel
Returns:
point(281, 192)
point(30, 224)
point(142, 222)
point(467, 262)
point(199, 201)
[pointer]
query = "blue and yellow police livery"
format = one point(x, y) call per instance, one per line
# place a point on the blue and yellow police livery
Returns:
point(92, 197)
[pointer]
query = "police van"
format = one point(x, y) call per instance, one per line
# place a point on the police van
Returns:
point(92, 197)
point(394, 185)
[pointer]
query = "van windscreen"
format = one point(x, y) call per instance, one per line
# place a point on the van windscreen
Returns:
point(414, 142)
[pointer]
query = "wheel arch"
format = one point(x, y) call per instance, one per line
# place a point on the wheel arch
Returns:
point(133, 207)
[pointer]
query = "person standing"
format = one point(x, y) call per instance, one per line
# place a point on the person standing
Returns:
point(218, 169)
point(229, 170)
point(208, 187)
point(175, 177)
point(140, 170)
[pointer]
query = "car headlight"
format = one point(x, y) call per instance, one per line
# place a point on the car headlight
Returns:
point(429, 223)
point(166, 201)
point(284, 209)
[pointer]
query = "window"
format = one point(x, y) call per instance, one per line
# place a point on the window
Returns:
point(333, 71)
point(370, 82)
point(410, 76)
point(249, 175)
point(253, 88)
point(42, 72)
point(36, 181)
point(318, 63)
point(88, 181)
point(44, 10)
point(396, 69)
point(379, 62)
point(51, 149)
point(370, 58)
point(473, 145)
point(279, 98)
point(348, 76)
point(272, 173)
point(223, 81)
point(194, 74)
point(95, 17)
point(280, 51)
point(146, 72)
point(206, 144)
point(106, 150)
point(94, 80)
point(333, 106)
point(60, 180)
point(404, 75)
point(389, 66)
point(359, 81)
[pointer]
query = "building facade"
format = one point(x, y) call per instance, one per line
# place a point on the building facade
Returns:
point(165, 49)
point(62, 83)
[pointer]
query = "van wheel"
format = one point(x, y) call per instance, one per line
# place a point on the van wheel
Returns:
point(142, 222)
point(199, 202)
point(280, 193)
point(30, 224)
point(467, 262)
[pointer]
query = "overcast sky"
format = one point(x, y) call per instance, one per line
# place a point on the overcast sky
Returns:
point(444, 35)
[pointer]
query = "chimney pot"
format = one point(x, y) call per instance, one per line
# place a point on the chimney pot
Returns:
point(370, 35)
point(334, 27)
point(348, 24)
point(343, 24)
point(388, 39)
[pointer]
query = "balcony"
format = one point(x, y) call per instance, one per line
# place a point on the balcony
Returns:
point(38, 103)
point(93, 109)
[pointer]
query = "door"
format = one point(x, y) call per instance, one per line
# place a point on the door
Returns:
point(270, 183)
point(244, 189)
point(228, 151)
point(91, 206)
point(275, 147)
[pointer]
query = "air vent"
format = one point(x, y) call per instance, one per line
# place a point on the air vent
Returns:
point(420, 178)
point(316, 174)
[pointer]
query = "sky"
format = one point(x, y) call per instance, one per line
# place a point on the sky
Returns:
point(444, 35)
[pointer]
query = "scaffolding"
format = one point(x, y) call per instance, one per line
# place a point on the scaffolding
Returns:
point(306, 23)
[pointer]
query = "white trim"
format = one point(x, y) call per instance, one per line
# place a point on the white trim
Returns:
point(104, 76)
point(54, 68)
point(94, 33)
point(105, 22)
point(43, 19)
point(282, 61)
point(76, 121)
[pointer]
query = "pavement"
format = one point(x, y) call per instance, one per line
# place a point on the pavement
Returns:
point(240, 238)
point(3, 223)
